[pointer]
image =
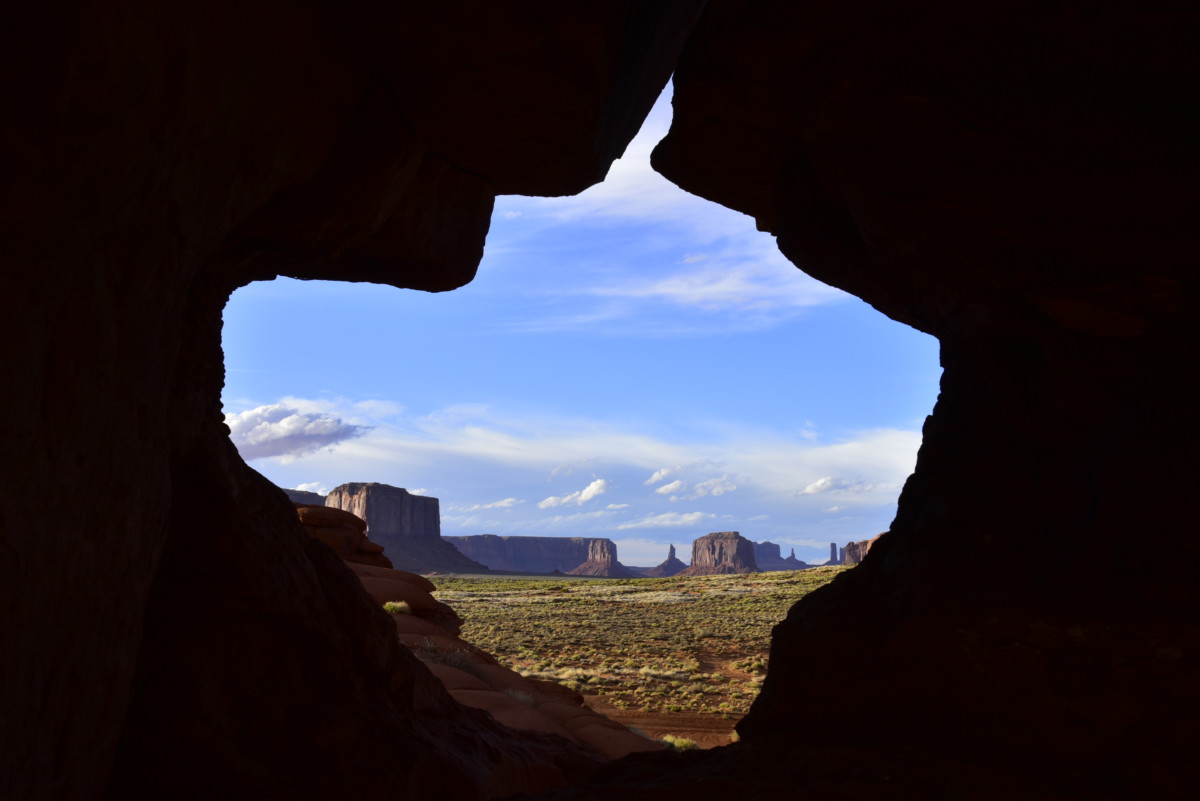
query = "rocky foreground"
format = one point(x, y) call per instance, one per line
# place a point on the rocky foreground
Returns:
point(430, 629)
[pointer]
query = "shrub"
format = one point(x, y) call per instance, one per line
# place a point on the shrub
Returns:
point(679, 743)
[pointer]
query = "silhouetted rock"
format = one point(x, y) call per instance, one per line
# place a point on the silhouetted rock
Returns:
point(766, 555)
point(602, 561)
point(526, 554)
point(1012, 178)
point(669, 567)
point(408, 526)
point(720, 553)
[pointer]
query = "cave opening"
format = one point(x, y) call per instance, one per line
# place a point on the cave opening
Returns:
point(633, 363)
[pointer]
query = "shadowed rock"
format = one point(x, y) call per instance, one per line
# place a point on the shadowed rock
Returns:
point(527, 554)
point(165, 615)
point(1011, 177)
point(305, 497)
point(766, 556)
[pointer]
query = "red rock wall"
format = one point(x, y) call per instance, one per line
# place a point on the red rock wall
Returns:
point(720, 553)
point(531, 554)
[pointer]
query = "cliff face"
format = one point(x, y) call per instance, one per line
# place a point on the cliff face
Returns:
point(719, 553)
point(668, 567)
point(602, 561)
point(854, 552)
point(524, 554)
point(766, 554)
point(408, 526)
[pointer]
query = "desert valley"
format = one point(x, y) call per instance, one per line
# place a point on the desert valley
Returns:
point(675, 652)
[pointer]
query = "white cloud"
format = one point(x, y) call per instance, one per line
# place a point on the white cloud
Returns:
point(667, 489)
point(833, 509)
point(479, 452)
point(658, 476)
point(734, 279)
point(766, 285)
point(667, 520)
point(714, 487)
point(616, 506)
point(418, 491)
point(507, 503)
point(579, 497)
point(286, 433)
point(822, 484)
point(313, 486)
point(831, 484)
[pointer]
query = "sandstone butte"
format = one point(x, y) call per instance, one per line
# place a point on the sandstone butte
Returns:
point(406, 525)
point(720, 553)
point(574, 555)
point(1014, 178)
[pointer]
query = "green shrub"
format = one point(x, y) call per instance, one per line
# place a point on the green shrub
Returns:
point(679, 743)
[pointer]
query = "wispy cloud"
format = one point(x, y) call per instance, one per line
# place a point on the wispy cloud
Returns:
point(507, 503)
point(579, 497)
point(827, 484)
point(657, 476)
point(667, 520)
point(730, 276)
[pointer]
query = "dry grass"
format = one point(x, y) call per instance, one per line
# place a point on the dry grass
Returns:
point(660, 645)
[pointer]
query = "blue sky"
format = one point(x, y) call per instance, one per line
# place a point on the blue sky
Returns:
point(632, 362)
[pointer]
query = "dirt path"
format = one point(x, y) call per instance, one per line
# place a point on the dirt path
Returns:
point(708, 730)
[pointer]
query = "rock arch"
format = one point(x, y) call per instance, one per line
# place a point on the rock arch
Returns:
point(1006, 176)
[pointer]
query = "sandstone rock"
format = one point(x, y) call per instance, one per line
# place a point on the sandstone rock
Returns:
point(327, 516)
point(668, 567)
point(453, 678)
point(614, 743)
point(344, 533)
point(525, 554)
point(720, 553)
point(766, 555)
point(407, 526)
point(1006, 176)
point(602, 561)
point(855, 551)
point(384, 590)
point(415, 579)
point(511, 711)
point(417, 626)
